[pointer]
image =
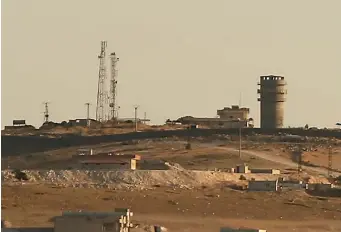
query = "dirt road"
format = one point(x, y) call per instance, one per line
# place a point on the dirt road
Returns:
point(273, 158)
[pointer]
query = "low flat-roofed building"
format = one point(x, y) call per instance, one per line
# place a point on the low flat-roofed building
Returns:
point(93, 221)
point(234, 112)
point(228, 117)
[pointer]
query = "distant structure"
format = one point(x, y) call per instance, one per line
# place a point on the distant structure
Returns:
point(19, 124)
point(46, 112)
point(272, 97)
point(101, 92)
point(235, 113)
point(228, 117)
point(113, 83)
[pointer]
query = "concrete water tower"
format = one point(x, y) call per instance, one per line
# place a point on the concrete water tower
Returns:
point(272, 93)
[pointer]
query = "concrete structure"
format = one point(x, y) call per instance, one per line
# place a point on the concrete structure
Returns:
point(272, 97)
point(226, 229)
point(19, 124)
point(234, 113)
point(258, 185)
point(127, 162)
point(265, 171)
point(319, 187)
point(242, 169)
point(117, 221)
point(289, 184)
point(212, 122)
point(229, 117)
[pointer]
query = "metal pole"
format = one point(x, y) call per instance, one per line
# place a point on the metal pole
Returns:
point(240, 141)
point(188, 145)
point(135, 118)
point(87, 110)
point(330, 162)
point(87, 114)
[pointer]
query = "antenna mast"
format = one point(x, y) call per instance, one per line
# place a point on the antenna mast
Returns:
point(113, 83)
point(101, 93)
point(46, 112)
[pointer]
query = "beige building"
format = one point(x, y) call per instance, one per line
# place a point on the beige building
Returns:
point(228, 117)
point(234, 113)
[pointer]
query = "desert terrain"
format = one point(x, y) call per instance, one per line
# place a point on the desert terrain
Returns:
point(193, 191)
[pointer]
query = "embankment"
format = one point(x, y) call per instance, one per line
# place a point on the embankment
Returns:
point(14, 145)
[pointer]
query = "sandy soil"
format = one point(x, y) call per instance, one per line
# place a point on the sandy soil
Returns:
point(205, 209)
point(178, 209)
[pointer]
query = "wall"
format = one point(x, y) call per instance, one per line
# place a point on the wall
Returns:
point(85, 224)
point(291, 185)
point(267, 171)
point(240, 230)
point(23, 229)
point(126, 166)
point(263, 185)
point(319, 187)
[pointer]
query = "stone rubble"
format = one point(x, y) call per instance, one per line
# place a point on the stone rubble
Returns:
point(176, 177)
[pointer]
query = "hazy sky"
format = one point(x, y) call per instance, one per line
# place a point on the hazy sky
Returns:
point(177, 57)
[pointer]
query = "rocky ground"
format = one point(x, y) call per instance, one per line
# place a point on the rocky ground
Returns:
point(188, 196)
point(179, 209)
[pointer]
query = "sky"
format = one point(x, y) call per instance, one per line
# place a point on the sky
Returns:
point(177, 57)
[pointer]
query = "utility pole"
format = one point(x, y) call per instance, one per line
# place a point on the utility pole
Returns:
point(330, 161)
point(46, 112)
point(87, 110)
point(240, 138)
point(101, 91)
point(298, 155)
point(88, 113)
point(135, 109)
point(188, 145)
point(145, 118)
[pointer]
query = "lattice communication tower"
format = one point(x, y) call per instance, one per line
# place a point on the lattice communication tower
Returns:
point(113, 90)
point(101, 93)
